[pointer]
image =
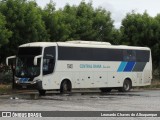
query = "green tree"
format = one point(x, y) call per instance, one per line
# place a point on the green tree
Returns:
point(60, 24)
point(156, 46)
point(24, 19)
point(93, 24)
point(142, 30)
point(78, 22)
point(50, 20)
point(116, 37)
point(137, 29)
point(5, 34)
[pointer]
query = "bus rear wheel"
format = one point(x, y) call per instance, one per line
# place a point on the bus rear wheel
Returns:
point(127, 85)
point(65, 87)
point(103, 90)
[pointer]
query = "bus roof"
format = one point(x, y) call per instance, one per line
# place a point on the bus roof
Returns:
point(83, 44)
point(39, 44)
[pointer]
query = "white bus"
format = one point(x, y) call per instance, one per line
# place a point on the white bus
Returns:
point(81, 64)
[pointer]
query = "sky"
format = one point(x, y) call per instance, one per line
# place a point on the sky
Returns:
point(118, 8)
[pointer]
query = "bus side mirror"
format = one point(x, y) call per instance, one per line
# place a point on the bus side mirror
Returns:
point(36, 59)
point(7, 59)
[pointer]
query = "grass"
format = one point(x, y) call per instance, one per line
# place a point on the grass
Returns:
point(155, 84)
point(5, 89)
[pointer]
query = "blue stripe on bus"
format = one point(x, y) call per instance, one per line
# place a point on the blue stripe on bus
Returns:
point(129, 66)
point(122, 66)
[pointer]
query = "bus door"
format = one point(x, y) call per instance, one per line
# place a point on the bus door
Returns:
point(49, 58)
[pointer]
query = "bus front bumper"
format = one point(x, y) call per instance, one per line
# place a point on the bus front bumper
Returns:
point(31, 86)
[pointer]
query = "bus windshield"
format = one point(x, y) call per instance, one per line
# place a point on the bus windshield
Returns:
point(24, 62)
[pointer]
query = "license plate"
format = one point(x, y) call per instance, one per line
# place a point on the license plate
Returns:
point(24, 80)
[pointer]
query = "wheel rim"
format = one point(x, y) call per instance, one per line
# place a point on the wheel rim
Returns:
point(126, 86)
point(65, 87)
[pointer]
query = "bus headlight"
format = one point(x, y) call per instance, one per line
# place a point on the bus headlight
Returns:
point(35, 81)
point(16, 80)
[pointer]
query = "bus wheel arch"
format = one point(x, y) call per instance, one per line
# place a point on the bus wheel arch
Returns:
point(127, 85)
point(66, 86)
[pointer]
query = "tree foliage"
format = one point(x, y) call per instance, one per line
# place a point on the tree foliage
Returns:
point(78, 22)
point(23, 18)
point(137, 29)
point(5, 34)
point(142, 30)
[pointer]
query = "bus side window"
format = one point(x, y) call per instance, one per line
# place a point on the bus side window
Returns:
point(48, 60)
point(129, 55)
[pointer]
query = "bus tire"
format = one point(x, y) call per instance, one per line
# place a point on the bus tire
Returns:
point(127, 85)
point(103, 90)
point(42, 92)
point(65, 87)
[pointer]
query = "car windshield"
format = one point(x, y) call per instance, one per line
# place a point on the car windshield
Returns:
point(24, 62)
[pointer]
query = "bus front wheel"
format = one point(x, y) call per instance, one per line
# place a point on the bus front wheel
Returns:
point(127, 85)
point(65, 87)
